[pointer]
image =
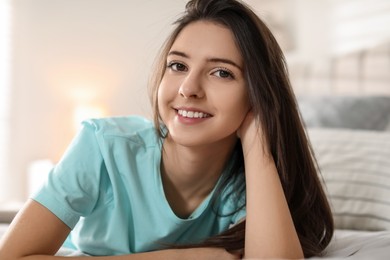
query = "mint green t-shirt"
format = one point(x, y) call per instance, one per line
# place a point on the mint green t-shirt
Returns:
point(107, 188)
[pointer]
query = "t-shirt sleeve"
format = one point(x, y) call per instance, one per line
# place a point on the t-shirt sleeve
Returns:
point(233, 204)
point(240, 214)
point(72, 187)
point(239, 217)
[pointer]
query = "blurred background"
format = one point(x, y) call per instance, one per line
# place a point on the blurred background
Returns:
point(62, 61)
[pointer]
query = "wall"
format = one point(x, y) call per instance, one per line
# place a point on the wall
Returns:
point(5, 49)
point(359, 24)
point(72, 53)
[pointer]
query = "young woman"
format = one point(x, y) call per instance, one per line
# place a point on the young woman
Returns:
point(225, 171)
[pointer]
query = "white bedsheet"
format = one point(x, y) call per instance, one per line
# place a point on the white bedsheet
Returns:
point(353, 244)
point(358, 245)
point(3, 228)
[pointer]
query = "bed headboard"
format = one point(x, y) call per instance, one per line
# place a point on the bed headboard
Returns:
point(365, 72)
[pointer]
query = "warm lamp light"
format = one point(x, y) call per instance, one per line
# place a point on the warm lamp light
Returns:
point(84, 94)
point(83, 112)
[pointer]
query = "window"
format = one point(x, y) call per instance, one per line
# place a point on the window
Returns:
point(359, 24)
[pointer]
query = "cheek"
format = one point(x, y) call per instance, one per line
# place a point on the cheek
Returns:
point(233, 111)
point(160, 98)
point(238, 105)
point(165, 95)
point(244, 102)
point(241, 112)
point(164, 91)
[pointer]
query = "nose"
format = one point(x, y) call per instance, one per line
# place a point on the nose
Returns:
point(191, 86)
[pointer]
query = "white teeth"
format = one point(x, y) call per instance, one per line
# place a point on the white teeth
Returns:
point(192, 114)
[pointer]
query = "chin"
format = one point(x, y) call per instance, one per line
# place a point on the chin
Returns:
point(186, 140)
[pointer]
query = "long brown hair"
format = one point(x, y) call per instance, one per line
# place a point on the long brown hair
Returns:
point(274, 104)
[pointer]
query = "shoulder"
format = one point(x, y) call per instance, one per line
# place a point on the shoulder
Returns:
point(133, 128)
point(118, 125)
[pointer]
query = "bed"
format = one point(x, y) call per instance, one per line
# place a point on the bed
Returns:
point(355, 168)
point(345, 104)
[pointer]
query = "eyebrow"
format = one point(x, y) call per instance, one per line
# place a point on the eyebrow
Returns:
point(222, 60)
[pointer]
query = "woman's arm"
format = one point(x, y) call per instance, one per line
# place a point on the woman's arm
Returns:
point(37, 234)
point(35, 230)
point(270, 232)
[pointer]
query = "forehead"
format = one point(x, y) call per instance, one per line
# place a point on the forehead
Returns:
point(207, 39)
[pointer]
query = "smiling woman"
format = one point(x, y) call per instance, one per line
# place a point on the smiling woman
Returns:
point(203, 72)
point(226, 170)
point(193, 84)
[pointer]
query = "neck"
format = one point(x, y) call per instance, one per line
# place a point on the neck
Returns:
point(189, 174)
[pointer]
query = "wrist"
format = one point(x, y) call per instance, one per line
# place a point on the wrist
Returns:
point(255, 146)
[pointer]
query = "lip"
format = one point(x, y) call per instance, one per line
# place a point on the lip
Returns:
point(192, 109)
point(193, 120)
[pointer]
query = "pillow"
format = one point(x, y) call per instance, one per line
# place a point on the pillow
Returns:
point(355, 167)
point(352, 112)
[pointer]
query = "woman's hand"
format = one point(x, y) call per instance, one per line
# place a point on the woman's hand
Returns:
point(269, 229)
point(251, 134)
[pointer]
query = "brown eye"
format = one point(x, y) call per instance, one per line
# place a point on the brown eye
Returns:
point(223, 73)
point(176, 66)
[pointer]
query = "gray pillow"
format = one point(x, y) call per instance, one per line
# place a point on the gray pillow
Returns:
point(352, 112)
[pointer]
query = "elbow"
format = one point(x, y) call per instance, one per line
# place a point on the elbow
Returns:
point(11, 253)
point(6, 255)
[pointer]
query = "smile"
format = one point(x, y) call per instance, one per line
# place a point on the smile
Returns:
point(192, 114)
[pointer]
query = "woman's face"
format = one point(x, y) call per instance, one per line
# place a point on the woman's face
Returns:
point(202, 98)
